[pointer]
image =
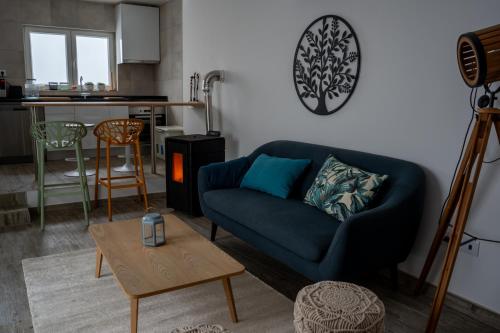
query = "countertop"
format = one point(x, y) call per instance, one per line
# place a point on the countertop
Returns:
point(92, 97)
point(111, 103)
point(10, 101)
point(88, 98)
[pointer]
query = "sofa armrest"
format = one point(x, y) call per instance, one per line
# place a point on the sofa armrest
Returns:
point(222, 175)
point(378, 237)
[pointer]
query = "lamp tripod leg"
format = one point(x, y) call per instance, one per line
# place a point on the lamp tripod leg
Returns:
point(451, 256)
point(480, 141)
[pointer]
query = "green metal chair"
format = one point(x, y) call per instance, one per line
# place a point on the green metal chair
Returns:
point(60, 135)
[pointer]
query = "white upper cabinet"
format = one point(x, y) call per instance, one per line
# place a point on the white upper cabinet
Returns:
point(137, 34)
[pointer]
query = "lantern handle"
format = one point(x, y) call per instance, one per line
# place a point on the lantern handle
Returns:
point(153, 226)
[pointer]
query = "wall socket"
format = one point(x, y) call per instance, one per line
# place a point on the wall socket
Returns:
point(3, 73)
point(471, 248)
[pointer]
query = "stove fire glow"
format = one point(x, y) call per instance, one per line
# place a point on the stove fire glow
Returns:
point(177, 168)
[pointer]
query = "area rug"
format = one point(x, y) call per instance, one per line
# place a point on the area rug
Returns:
point(64, 296)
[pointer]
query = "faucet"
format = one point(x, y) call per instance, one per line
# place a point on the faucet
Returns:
point(83, 94)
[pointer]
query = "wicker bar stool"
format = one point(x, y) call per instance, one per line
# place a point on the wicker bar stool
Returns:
point(60, 135)
point(120, 132)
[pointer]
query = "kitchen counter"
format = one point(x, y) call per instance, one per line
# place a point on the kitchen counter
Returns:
point(10, 100)
point(93, 97)
point(111, 103)
point(40, 104)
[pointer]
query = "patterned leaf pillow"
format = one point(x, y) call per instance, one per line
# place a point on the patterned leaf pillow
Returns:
point(342, 190)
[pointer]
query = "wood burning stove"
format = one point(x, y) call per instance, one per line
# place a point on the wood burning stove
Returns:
point(185, 155)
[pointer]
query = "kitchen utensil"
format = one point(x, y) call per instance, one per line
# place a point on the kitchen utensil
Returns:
point(89, 86)
point(31, 89)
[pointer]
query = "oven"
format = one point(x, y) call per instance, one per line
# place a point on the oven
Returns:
point(144, 114)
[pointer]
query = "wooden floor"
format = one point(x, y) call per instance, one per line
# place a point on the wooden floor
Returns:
point(65, 231)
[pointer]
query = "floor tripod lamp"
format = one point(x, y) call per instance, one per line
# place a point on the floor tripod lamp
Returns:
point(478, 55)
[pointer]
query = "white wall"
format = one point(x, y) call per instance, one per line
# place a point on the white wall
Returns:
point(169, 70)
point(410, 101)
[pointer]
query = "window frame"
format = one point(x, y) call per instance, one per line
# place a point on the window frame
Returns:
point(71, 54)
point(111, 52)
point(45, 30)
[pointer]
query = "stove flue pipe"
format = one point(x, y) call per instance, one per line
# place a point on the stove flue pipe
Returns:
point(208, 83)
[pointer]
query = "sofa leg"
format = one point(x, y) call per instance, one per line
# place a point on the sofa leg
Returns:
point(394, 276)
point(213, 232)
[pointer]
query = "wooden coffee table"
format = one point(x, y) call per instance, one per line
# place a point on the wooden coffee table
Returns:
point(187, 259)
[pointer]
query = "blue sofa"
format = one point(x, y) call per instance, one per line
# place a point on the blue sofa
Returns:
point(306, 239)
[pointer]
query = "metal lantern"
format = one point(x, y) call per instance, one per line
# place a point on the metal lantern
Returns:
point(153, 230)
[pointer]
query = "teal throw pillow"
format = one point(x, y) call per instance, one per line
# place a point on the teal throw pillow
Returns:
point(273, 175)
point(342, 190)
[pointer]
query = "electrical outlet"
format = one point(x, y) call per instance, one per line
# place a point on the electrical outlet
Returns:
point(471, 248)
point(3, 73)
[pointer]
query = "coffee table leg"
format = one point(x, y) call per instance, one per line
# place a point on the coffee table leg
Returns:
point(98, 262)
point(230, 299)
point(134, 314)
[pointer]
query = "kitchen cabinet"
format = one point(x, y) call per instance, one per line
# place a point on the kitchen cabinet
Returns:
point(90, 115)
point(117, 112)
point(55, 113)
point(137, 34)
point(15, 126)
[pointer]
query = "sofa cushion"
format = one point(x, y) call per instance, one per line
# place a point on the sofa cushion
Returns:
point(274, 175)
point(300, 228)
point(342, 190)
point(399, 171)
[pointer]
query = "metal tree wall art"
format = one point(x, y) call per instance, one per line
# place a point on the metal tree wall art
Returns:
point(326, 64)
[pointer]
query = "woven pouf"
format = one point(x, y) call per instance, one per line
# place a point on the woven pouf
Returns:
point(201, 329)
point(330, 306)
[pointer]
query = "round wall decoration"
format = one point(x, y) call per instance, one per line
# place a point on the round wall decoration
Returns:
point(326, 64)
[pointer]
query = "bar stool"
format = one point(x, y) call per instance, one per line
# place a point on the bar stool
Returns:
point(60, 135)
point(121, 132)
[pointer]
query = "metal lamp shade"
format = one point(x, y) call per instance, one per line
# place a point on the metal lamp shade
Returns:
point(153, 230)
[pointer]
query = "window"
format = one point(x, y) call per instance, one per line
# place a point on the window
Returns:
point(48, 57)
point(92, 58)
point(65, 55)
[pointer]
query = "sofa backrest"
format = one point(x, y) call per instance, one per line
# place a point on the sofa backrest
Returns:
point(400, 172)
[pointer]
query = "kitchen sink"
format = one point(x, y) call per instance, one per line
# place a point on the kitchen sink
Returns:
point(87, 98)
